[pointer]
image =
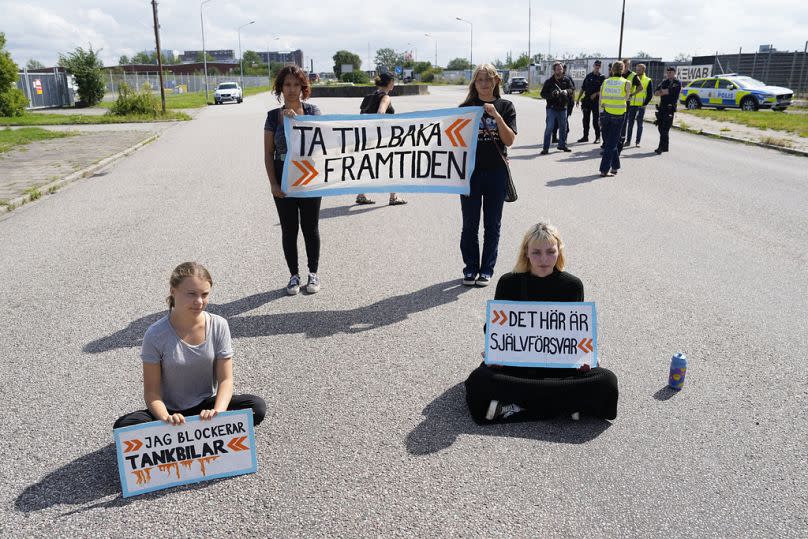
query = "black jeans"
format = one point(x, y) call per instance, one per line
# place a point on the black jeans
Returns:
point(594, 111)
point(299, 213)
point(487, 193)
point(237, 402)
point(664, 125)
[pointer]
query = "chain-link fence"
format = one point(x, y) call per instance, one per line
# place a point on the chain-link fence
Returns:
point(176, 82)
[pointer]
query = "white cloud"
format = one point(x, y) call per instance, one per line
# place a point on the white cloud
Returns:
point(42, 29)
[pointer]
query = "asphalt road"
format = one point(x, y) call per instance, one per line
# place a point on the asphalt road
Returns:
point(702, 250)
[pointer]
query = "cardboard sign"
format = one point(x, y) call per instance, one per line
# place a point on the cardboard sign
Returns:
point(422, 152)
point(153, 456)
point(541, 334)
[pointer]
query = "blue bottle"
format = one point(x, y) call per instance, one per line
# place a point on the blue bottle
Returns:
point(676, 379)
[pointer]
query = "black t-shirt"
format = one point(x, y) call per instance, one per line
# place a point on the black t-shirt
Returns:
point(370, 105)
point(487, 156)
point(558, 286)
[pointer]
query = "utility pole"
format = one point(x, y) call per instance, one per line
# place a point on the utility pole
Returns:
point(622, 20)
point(204, 52)
point(159, 55)
point(529, 58)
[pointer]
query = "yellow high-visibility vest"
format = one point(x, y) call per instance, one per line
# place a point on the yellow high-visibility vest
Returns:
point(613, 95)
point(639, 99)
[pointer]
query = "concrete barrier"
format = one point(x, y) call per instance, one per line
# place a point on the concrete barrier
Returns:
point(362, 91)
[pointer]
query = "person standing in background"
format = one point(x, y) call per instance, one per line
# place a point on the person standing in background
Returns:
point(589, 99)
point(636, 107)
point(668, 92)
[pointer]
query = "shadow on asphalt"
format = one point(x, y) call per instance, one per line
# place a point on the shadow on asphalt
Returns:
point(665, 393)
point(343, 211)
point(317, 324)
point(132, 335)
point(447, 417)
point(314, 324)
point(527, 147)
point(567, 182)
point(85, 480)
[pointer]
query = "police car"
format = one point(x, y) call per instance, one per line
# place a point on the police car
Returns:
point(734, 91)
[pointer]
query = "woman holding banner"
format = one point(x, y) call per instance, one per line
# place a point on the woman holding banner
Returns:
point(293, 83)
point(497, 392)
point(488, 182)
point(188, 358)
point(379, 102)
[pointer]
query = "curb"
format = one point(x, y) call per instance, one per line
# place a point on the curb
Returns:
point(792, 151)
point(83, 173)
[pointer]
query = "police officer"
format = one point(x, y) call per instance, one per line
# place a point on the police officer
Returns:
point(668, 92)
point(636, 107)
point(589, 99)
point(636, 88)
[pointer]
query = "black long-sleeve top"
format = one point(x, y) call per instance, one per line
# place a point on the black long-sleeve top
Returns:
point(558, 102)
point(558, 286)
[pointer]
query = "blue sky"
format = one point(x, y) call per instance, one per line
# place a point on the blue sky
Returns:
point(42, 29)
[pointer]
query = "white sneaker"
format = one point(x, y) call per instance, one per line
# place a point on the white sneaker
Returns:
point(294, 285)
point(313, 286)
point(575, 416)
point(492, 410)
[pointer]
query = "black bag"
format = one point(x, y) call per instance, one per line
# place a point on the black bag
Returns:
point(510, 188)
point(370, 103)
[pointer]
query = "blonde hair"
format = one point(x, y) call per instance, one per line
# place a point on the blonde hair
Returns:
point(617, 69)
point(539, 232)
point(186, 269)
point(486, 69)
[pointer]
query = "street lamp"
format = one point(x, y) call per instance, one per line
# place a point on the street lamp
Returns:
point(241, 56)
point(436, 47)
point(269, 64)
point(471, 42)
point(204, 53)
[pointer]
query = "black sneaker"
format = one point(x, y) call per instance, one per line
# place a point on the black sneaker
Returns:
point(544, 152)
point(564, 149)
point(583, 139)
point(469, 279)
point(658, 151)
point(483, 280)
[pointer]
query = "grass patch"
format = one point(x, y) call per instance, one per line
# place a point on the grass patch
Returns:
point(10, 138)
point(762, 119)
point(33, 193)
point(192, 100)
point(83, 119)
point(52, 189)
point(775, 141)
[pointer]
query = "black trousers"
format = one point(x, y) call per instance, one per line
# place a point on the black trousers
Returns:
point(299, 214)
point(594, 110)
point(237, 402)
point(544, 393)
point(664, 124)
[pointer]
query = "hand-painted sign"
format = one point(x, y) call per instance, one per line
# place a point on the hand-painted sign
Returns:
point(688, 73)
point(426, 152)
point(153, 456)
point(541, 334)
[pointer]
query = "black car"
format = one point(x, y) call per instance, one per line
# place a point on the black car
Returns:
point(516, 84)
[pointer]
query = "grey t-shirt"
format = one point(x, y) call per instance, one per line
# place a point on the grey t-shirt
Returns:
point(188, 374)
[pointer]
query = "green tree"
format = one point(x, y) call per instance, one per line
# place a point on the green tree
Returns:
point(420, 67)
point(458, 64)
point(522, 62)
point(34, 64)
point(85, 66)
point(251, 57)
point(682, 57)
point(357, 77)
point(388, 58)
point(12, 100)
point(345, 57)
point(200, 58)
point(642, 54)
point(430, 74)
point(141, 58)
point(124, 60)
